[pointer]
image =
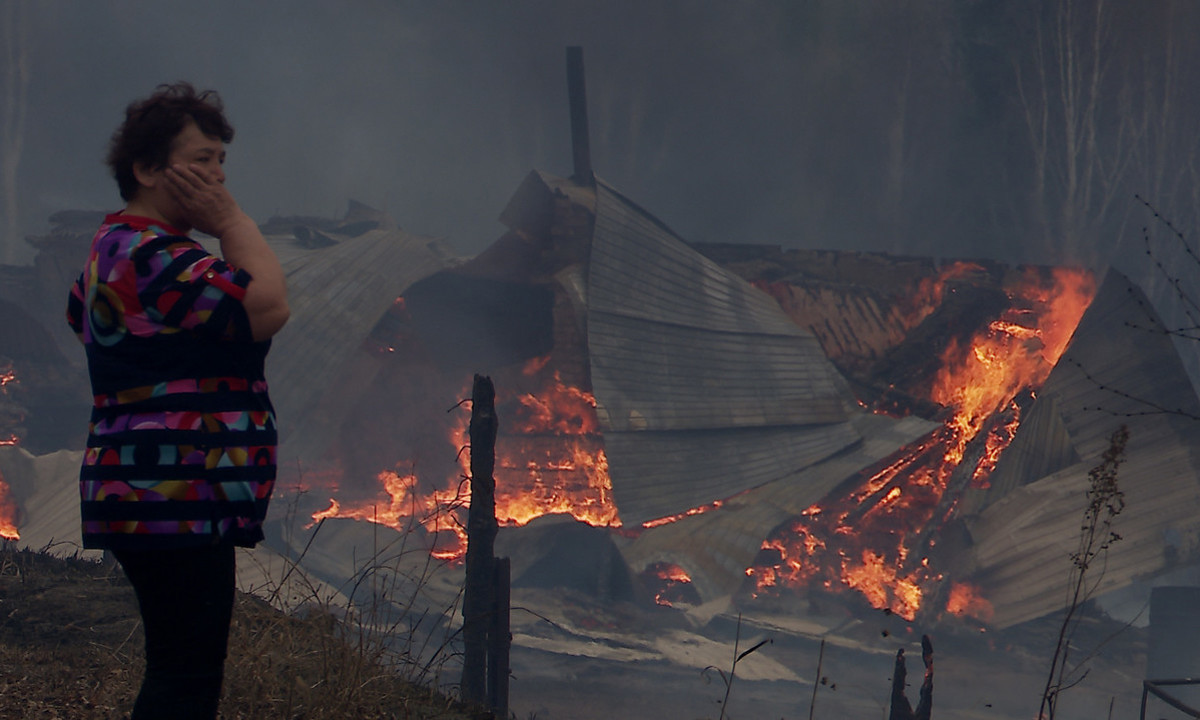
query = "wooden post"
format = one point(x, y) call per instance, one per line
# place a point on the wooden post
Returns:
point(500, 641)
point(478, 596)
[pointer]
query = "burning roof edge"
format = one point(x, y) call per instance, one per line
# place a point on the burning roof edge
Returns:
point(717, 546)
point(1120, 368)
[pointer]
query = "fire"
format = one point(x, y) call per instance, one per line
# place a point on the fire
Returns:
point(965, 601)
point(679, 516)
point(405, 506)
point(930, 291)
point(671, 583)
point(8, 376)
point(8, 508)
point(873, 540)
point(8, 513)
point(549, 459)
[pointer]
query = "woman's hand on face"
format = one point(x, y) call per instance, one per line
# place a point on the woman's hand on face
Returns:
point(203, 200)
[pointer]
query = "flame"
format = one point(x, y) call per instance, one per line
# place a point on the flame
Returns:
point(8, 507)
point(8, 376)
point(549, 459)
point(930, 291)
point(966, 601)
point(864, 541)
point(400, 505)
point(671, 583)
point(8, 513)
point(679, 516)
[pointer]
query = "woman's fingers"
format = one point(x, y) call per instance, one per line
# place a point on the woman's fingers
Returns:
point(203, 198)
point(190, 175)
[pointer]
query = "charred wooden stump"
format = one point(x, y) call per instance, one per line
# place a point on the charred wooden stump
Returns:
point(478, 594)
point(901, 708)
point(499, 639)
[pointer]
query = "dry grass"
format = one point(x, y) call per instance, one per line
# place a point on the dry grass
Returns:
point(71, 647)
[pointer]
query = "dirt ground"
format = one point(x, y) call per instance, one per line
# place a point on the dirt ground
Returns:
point(594, 663)
point(70, 648)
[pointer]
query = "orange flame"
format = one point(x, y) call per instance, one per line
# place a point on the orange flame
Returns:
point(679, 516)
point(404, 506)
point(672, 584)
point(8, 513)
point(930, 291)
point(7, 377)
point(8, 507)
point(966, 601)
point(549, 459)
point(861, 541)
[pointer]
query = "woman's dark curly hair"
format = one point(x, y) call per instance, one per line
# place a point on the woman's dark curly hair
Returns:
point(152, 124)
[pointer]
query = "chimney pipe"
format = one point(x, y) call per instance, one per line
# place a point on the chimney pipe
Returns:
point(581, 150)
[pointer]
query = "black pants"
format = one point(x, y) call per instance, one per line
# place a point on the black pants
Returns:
point(186, 600)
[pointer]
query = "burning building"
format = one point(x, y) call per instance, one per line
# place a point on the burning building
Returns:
point(746, 422)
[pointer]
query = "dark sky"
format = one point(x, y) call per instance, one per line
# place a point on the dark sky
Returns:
point(746, 121)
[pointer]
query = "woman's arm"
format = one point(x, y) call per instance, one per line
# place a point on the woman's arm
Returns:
point(211, 209)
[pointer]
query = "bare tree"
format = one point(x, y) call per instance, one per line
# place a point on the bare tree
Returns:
point(1102, 92)
point(1061, 88)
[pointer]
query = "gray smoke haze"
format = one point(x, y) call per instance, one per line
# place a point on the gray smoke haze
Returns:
point(894, 126)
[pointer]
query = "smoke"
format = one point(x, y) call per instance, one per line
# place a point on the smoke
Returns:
point(14, 47)
point(870, 125)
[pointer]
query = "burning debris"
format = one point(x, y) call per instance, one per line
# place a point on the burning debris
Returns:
point(8, 513)
point(878, 538)
point(753, 423)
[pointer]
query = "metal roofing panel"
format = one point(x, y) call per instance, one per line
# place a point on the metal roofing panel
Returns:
point(46, 489)
point(677, 342)
point(716, 547)
point(1119, 367)
point(649, 375)
point(639, 268)
point(337, 295)
point(1023, 543)
point(1121, 362)
point(656, 474)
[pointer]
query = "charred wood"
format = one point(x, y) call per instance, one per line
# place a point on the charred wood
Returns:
point(902, 709)
point(478, 595)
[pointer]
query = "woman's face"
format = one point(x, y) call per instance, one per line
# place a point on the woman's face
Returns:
point(192, 147)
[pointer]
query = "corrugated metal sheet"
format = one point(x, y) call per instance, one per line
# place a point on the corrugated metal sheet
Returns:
point(704, 387)
point(716, 547)
point(1121, 368)
point(46, 489)
point(658, 376)
point(1042, 447)
point(657, 474)
point(337, 295)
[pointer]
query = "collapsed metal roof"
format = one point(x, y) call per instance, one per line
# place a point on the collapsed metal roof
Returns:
point(706, 391)
point(337, 294)
point(703, 386)
point(1121, 368)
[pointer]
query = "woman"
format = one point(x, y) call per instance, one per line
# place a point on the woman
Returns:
point(180, 461)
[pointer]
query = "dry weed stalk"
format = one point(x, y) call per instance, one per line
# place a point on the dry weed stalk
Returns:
point(1105, 502)
point(374, 647)
point(737, 657)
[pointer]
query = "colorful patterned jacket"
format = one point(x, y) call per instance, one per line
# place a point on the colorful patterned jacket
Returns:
point(181, 443)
